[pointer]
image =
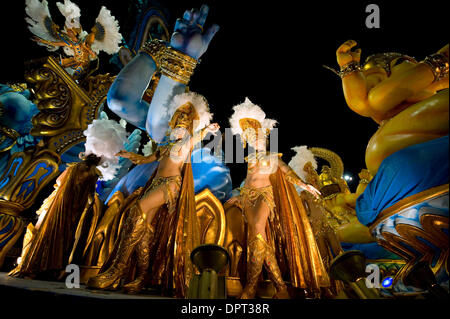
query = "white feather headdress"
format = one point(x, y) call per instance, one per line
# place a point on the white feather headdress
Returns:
point(200, 104)
point(249, 110)
point(297, 163)
point(105, 138)
point(72, 13)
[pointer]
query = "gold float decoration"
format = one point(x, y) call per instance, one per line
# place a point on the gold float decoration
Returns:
point(408, 241)
point(211, 216)
point(66, 109)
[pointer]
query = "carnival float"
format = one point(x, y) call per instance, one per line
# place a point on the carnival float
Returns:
point(74, 189)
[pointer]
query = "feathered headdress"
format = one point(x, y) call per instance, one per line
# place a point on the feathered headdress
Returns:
point(297, 163)
point(250, 116)
point(202, 118)
point(71, 12)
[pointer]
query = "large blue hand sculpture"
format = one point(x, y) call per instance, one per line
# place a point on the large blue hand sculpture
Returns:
point(125, 99)
point(125, 95)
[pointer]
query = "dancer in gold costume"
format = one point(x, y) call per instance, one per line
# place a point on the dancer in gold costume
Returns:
point(279, 233)
point(409, 99)
point(48, 251)
point(80, 46)
point(305, 165)
point(164, 210)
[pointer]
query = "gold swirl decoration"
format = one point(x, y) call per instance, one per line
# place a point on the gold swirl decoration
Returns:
point(66, 109)
point(11, 226)
point(335, 161)
point(53, 99)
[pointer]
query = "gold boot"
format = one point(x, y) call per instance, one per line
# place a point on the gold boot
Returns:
point(143, 259)
point(271, 265)
point(131, 234)
point(256, 250)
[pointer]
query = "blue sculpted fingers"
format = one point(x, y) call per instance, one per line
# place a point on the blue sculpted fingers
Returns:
point(210, 33)
point(188, 37)
point(181, 25)
point(203, 14)
point(188, 15)
point(195, 15)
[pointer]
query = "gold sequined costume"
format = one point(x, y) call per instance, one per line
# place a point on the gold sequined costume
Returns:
point(162, 248)
point(286, 247)
point(252, 195)
point(293, 239)
point(291, 245)
point(170, 197)
point(171, 238)
point(46, 254)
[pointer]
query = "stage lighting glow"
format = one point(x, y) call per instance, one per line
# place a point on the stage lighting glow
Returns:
point(387, 282)
point(348, 177)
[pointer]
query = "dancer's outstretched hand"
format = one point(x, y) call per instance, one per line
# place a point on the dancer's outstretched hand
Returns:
point(213, 128)
point(311, 189)
point(135, 158)
point(188, 36)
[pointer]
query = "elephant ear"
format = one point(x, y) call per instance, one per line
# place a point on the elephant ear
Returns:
point(40, 23)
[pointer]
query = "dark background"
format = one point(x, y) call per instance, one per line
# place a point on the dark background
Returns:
point(272, 52)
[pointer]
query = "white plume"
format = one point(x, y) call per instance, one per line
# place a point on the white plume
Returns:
point(37, 14)
point(297, 163)
point(105, 138)
point(112, 37)
point(71, 12)
point(200, 104)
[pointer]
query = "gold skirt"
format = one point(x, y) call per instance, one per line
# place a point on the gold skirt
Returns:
point(170, 196)
point(251, 195)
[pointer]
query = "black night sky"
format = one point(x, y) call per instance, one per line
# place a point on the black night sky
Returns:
point(272, 52)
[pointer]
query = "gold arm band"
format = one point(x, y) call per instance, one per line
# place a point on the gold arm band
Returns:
point(172, 63)
point(349, 68)
point(292, 177)
point(155, 49)
point(438, 64)
point(177, 65)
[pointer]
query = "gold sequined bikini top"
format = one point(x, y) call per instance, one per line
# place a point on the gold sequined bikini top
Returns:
point(261, 157)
